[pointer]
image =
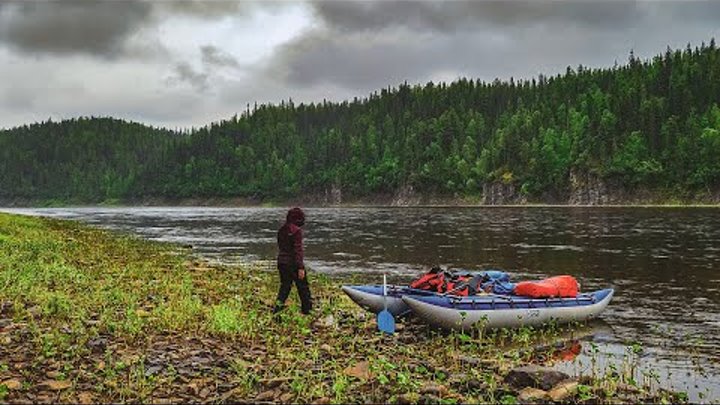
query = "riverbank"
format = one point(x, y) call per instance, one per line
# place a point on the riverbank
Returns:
point(89, 316)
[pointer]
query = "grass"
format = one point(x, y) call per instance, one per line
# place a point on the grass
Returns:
point(127, 320)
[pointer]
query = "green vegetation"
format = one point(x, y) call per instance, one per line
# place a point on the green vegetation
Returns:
point(650, 125)
point(87, 316)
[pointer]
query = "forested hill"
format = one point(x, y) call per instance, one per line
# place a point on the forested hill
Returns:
point(587, 136)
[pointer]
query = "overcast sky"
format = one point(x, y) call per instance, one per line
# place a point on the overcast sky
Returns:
point(188, 63)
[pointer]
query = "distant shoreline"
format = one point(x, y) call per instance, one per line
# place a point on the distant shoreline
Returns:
point(314, 203)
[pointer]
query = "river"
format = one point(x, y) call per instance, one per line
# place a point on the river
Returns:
point(664, 263)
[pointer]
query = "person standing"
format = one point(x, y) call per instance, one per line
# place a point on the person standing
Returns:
point(290, 261)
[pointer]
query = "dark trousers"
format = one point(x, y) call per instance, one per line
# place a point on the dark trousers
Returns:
point(288, 275)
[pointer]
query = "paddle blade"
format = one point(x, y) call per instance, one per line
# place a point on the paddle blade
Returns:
point(386, 322)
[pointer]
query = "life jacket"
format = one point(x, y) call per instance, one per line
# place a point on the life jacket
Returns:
point(458, 287)
point(442, 281)
point(558, 286)
point(434, 280)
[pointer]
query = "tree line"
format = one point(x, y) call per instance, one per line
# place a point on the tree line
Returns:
point(653, 124)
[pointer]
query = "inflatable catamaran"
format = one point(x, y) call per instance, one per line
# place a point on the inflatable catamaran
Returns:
point(462, 301)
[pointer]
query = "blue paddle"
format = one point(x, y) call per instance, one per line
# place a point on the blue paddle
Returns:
point(385, 320)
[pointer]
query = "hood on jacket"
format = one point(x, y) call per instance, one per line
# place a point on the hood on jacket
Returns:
point(296, 216)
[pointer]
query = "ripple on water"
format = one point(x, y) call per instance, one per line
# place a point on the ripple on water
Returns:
point(552, 247)
point(346, 255)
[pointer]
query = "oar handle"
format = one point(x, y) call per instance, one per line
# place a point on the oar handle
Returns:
point(385, 291)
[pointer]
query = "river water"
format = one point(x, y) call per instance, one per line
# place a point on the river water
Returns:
point(664, 263)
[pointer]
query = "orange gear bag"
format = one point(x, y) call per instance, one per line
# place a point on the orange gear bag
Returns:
point(559, 286)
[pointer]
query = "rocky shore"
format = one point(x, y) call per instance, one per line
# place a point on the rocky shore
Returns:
point(88, 316)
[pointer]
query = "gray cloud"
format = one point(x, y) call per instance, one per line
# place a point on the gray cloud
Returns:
point(100, 27)
point(185, 73)
point(457, 15)
point(211, 55)
point(205, 9)
point(71, 26)
point(365, 45)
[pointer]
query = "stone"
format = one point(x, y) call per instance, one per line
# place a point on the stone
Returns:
point(275, 382)
point(434, 389)
point(12, 384)
point(34, 310)
point(130, 359)
point(328, 321)
point(55, 385)
point(485, 364)
point(97, 345)
point(152, 370)
point(86, 398)
point(6, 307)
point(43, 399)
point(429, 399)
point(266, 396)
point(360, 371)
point(534, 376)
point(475, 384)
point(407, 399)
point(563, 390)
point(473, 361)
point(531, 394)
point(457, 379)
point(628, 388)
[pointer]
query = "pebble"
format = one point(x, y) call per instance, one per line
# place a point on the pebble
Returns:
point(434, 389)
point(530, 394)
point(563, 390)
point(534, 376)
point(55, 385)
point(12, 384)
point(407, 399)
point(266, 396)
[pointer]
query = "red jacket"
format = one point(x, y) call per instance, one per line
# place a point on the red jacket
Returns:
point(290, 240)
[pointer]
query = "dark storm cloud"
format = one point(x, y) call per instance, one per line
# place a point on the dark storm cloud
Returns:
point(98, 27)
point(71, 27)
point(364, 45)
point(462, 15)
